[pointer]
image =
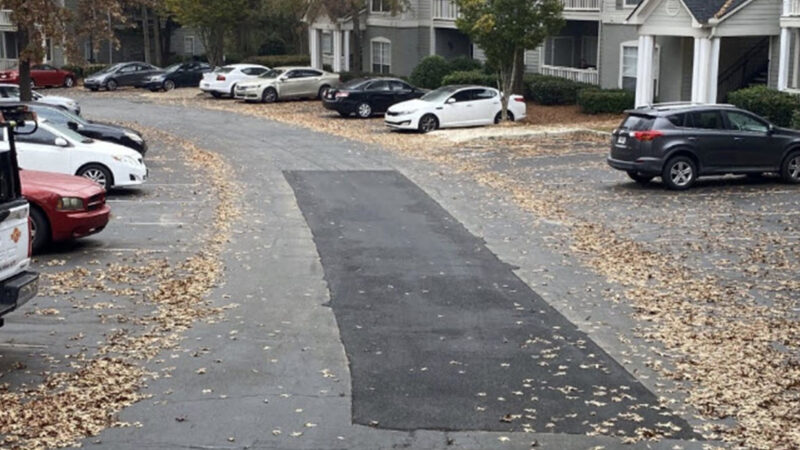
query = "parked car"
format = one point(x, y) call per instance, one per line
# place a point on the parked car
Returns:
point(365, 97)
point(63, 207)
point(682, 142)
point(178, 75)
point(55, 148)
point(453, 106)
point(17, 283)
point(223, 80)
point(95, 130)
point(10, 93)
point(287, 82)
point(122, 74)
point(42, 75)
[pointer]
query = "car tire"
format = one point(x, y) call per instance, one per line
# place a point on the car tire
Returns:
point(499, 117)
point(640, 177)
point(40, 229)
point(680, 173)
point(97, 173)
point(790, 169)
point(270, 95)
point(428, 123)
point(364, 110)
point(216, 94)
point(233, 91)
point(323, 91)
point(69, 82)
point(112, 85)
point(169, 85)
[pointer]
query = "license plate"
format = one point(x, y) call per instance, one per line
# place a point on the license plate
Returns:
point(622, 140)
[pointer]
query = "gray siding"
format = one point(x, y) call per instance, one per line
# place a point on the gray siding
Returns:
point(405, 47)
point(612, 11)
point(760, 17)
point(611, 38)
point(672, 71)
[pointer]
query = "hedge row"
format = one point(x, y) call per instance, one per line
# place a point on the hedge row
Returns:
point(279, 60)
point(431, 71)
point(599, 101)
point(778, 107)
point(348, 76)
point(84, 71)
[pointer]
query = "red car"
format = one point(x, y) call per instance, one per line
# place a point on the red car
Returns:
point(42, 75)
point(63, 207)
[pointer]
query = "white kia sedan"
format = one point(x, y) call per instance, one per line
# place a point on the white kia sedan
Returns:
point(10, 93)
point(453, 106)
point(56, 148)
point(223, 80)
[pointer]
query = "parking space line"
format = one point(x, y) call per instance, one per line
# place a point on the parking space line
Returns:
point(155, 224)
point(153, 202)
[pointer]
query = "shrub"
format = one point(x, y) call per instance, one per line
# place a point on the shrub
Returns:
point(274, 45)
point(279, 60)
point(599, 101)
point(429, 72)
point(795, 120)
point(77, 70)
point(464, 64)
point(547, 90)
point(779, 107)
point(93, 68)
point(470, 77)
point(347, 76)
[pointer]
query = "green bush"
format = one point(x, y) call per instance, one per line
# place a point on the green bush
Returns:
point(776, 106)
point(429, 72)
point(77, 70)
point(464, 64)
point(599, 101)
point(547, 90)
point(348, 76)
point(470, 77)
point(92, 69)
point(795, 120)
point(279, 60)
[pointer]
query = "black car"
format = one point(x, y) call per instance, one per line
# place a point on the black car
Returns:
point(365, 97)
point(682, 142)
point(122, 74)
point(178, 75)
point(94, 130)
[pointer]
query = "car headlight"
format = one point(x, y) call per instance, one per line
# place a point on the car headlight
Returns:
point(127, 160)
point(406, 113)
point(157, 78)
point(70, 204)
point(134, 137)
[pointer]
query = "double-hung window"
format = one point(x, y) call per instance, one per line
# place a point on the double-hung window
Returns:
point(381, 55)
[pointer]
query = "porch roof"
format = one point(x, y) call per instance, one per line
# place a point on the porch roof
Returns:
point(702, 10)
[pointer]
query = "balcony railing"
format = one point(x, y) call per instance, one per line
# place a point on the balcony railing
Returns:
point(794, 8)
point(445, 10)
point(585, 5)
point(588, 76)
point(5, 18)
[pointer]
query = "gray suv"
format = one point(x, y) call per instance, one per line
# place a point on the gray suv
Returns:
point(681, 142)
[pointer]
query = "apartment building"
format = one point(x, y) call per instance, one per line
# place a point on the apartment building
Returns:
point(664, 50)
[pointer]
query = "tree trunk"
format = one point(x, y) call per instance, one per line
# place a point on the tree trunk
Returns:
point(146, 32)
point(25, 93)
point(508, 76)
point(519, 74)
point(157, 38)
point(357, 66)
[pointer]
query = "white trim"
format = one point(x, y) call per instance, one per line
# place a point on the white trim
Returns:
point(395, 22)
point(384, 3)
point(337, 51)
point(346, 50)
point(795, 75)
point(783, 60)
point(313, 47)
point(655, 69)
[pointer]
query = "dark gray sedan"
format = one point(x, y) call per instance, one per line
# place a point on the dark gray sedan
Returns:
point(122, 74)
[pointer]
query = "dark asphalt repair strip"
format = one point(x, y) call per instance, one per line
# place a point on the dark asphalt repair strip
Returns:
point(441, 334)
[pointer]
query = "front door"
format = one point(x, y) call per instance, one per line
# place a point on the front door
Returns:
point(753, 146)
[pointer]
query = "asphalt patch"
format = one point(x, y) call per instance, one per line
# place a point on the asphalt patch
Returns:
point(440, 334)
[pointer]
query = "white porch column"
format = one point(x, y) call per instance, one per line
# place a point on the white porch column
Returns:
point(713, 71)
point(702, 70)
point(313, 47)
point(347, 50)
point(695, 70)
point(433, 41)
point(337, 51)
point(783, 60)
point(644, 71)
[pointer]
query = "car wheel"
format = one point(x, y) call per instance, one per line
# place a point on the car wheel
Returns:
point(499, 117)
point(364, 110)
point(112, 85)
point(97, 173)
point(69, 82)
point(790, 169)
point(679, 173)
point(216, 94)
point(169, 85)
point(270, 95)
point(428, 123)
point(40, 229)
point(640, 177)
point(323, 91)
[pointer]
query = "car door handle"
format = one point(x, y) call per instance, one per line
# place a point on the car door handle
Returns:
point(692, 138)
point(737, 139)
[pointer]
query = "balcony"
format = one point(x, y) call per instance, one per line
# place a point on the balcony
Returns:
point(5, 21)
point(794, 8)
point(585, 5)
point(445, 10)
point(588, 76)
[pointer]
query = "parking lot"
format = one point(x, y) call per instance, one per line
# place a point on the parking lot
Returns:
point(683, 306)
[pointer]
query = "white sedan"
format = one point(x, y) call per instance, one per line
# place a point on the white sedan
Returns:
point(56, 148)
point(10, 93)
point(223, 80)
point(453, 106)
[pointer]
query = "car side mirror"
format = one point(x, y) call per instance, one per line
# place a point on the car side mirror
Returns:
point(770, 129)
point(450, 101)
point(61, 142)
point(73, 125)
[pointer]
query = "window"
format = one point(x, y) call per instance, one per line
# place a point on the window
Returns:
point(380, 6)
point(43, 67)
point(128, 69)
point(637, 123)
point(327, 43)
point(629, 56)
point(466, 95)
point(484, 94)
point(310, 73)
point(9, 45)
point(381, 55)
point(677, 119)
point(559, 51)
point(399, 86)
point(745, 122)
point(707, 120)
point(378, 86)
point(188, 45)
point(631, 3)
point(40, 136)
point(253, 71)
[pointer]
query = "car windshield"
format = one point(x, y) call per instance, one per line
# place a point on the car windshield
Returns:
point(110, 69)
point(439, 94)
point(69, 134)
point(226, 69)
point(173, 68)
point(59, 116)
point(358, 83)
point(273, 73)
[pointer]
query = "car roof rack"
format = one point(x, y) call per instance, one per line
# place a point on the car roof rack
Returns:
point(676, 105)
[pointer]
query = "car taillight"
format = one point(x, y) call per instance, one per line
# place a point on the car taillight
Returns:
point(342, 94)
point(220, 77)
point(517, 98)
point(646, 136)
